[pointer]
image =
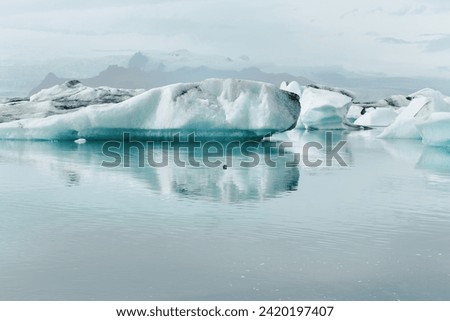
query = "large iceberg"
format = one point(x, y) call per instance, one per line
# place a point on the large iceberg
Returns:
point(324, 108)
point(423, 104)
point(214, 107)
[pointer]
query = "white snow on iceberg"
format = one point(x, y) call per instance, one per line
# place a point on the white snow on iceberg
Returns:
point(73, 94)
point(354, 112)
point(213, 107)
point(370, 117)
point(380, 117)
point(62, 99)
point(293, 87)
point(424, 103)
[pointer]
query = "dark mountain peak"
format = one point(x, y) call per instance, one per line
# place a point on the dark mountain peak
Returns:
point(138, 61)
point(50, 80)
point(51, 76)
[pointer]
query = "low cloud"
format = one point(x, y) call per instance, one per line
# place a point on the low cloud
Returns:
point(411, 10)
point(394, 41)
point(440, 44)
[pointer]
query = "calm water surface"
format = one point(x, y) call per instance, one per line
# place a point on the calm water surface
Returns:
point(378, 229)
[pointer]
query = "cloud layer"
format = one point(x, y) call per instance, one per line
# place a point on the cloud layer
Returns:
point(393, 37)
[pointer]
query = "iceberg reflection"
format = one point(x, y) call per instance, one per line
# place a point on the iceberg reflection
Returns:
point(319, 145)
point(70, 163)
point(435, 159)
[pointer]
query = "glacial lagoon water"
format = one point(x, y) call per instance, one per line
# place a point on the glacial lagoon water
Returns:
point(377, 229)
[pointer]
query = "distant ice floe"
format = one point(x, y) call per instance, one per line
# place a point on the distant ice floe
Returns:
point(73, 94)
point(424, 114)
point(62, 99)
point(214, 108)
point(379, 113)
point(380, 117)
point(80, 141)
point(391, 101)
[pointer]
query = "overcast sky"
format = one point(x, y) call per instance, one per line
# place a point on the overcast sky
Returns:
point(396, 37)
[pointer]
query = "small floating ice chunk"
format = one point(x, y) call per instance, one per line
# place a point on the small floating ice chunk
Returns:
point(80, 141)
point(293, 87)
point(404, 125)
point(324, 108)
point(435, 130)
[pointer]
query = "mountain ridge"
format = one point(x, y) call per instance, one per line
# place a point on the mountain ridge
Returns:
point(133, 78)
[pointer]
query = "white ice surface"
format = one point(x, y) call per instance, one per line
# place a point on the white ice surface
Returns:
point(354, 112)
point(435, 129)
point(380, 117)
point(324, 109)
point(75, 91)
point(215, 106)
point(295, 88)
point(425, 102)
point(61, 99)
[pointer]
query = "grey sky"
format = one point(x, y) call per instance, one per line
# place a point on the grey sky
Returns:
point(397, 37)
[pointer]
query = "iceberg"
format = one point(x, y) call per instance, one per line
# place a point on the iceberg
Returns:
point(294, 87)
point(404, 125)
point(391, 101)
point(435, 130)
point(354, 112)
point(220, 108)
point(324, 108)
point(73, 94)
point(61, 99)
point(423, 104)
point(380, 117)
